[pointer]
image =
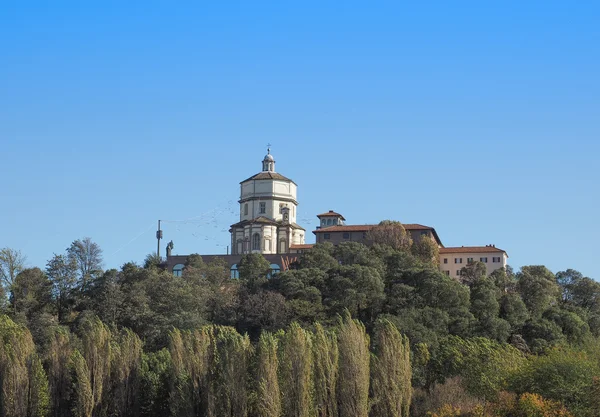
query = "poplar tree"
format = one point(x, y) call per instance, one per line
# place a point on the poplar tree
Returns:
point(229, 372)
point(96, 351)
point(325, 372)
point(190, 356)
point(59, 365)
point(125, 374)
point(268, 402)
point(391, 372)
point(23, 382)
point(83, 394)
point(296, 372)
point(353, 382)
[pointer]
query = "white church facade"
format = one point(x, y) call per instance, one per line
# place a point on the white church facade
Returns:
point(268, 209)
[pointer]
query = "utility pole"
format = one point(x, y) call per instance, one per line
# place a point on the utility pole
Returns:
point(159, 235)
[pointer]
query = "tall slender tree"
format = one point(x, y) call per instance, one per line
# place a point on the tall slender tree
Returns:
point(296, 372)
point(325, 371)
point(354, 361)
point(391, 372)
point(268, 401)
point(88, 257)
point(62, 272)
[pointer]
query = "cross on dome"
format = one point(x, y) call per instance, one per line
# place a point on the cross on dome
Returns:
point(269, 161)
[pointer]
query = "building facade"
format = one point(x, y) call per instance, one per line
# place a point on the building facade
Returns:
point(452, 260)
point(268, 210)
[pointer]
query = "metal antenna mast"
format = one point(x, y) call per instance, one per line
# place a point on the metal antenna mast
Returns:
point(159, 235)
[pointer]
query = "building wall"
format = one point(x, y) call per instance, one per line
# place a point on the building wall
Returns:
point(451, 267)
point(272, 192)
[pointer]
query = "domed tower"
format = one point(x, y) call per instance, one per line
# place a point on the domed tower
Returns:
point(268, 208)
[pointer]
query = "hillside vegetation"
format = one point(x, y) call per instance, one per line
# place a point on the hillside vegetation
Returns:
point(348, 331)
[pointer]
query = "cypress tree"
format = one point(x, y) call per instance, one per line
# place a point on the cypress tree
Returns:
point(96, 350)
point(325, 372)
point(125, 375)
point(268, 402)
point(353, 382)
point(296, 372)
point(391, 372)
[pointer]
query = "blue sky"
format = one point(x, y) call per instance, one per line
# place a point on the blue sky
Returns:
point(481, 119)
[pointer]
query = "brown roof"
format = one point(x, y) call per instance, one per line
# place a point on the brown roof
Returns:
point(331, 213)
point(305, 246)
point(366, 228)
point(471, 249)
point(268, 175)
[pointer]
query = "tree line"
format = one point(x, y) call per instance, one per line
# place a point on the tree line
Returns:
point(507, 344)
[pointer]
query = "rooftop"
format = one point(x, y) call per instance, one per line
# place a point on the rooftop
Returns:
point(472, 249)
point(331, 213)
point(268, 175)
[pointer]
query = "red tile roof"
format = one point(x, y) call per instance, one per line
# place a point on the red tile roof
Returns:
point(471, 249)
point(305, 246)
point(331, 213)
point(268, 175)
point(366, 228)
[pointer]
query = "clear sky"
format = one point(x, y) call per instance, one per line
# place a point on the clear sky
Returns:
point(481, 119)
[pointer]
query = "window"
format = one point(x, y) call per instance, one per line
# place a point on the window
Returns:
point(246, 209)
point(445, 260)
point(346, 235)
point(263, 208)
point(469, 260)
point(424, 233)
point(458, 272)
point(364, 235)
point(496, 259)
point(234, 273)
point(447, 272)
point(327, 236)
point(484, 260)
point(256, 242)
point(178, 270)
point(458, 260)
point(329, 222)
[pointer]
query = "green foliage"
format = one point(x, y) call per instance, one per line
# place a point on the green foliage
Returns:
point(390, 233)
point(268, 401)
point(485, 308)
point(354, 368)
point(427, 251)
point(23, 383)
point(254, 269)
point(484, 365)
point(296, 372)
point(391, 372)
point(565, 375)
point(538, 288)
point(326, 371)
point(154, 383)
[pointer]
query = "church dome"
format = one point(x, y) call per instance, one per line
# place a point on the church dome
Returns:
point(269, 158)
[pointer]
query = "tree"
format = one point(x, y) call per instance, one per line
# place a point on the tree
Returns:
point(268, 402)
point(391, 372)
point(296, 372)
point(23, 386)
point(62, 272)
point(359, 289)
point(485, 308)
point(12, 262)
point(88, 257)
point(319, 256)
point(254, 269)
point(473, 272)
point(326, 370)
point(31, 293)
point(354, 357)
point(427, 251)
point(390, 233)
point(538, 288)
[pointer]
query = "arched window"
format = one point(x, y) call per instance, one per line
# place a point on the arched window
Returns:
point(235, 274)
point(256, 242)
point(275, 269)
point(178, 270)
point(240, 246)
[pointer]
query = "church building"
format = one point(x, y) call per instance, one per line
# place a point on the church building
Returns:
point(268, 208)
